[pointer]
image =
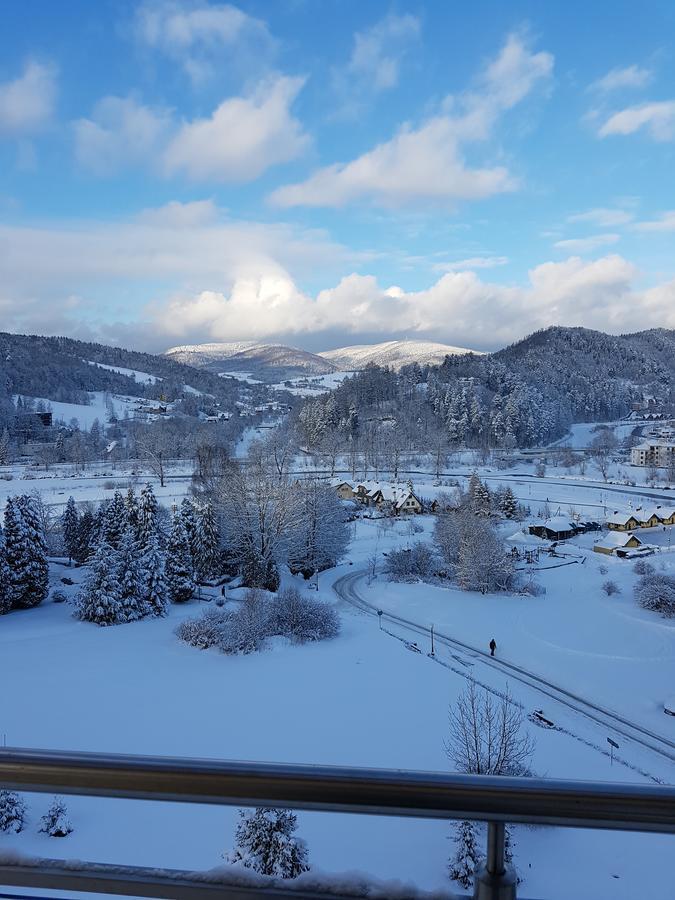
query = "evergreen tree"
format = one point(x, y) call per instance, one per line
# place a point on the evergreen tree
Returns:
point(4, 447)
point(116, 521)
point(508, 504)
point(5, 583)
point(266, 843)
point(133, 511)
point(12, 812)
point(85, 544)
point(179, 564)
point(70, 523)
point(465, 859)
point(15, 552)
point(55, 822)
point(37, 571)
point(207, 542)
point(130, 578)
point(189, 518)
point(147, 515)
point(155, 587)
point(99, 600)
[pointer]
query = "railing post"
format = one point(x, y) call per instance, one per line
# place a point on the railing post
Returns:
point(494, 880)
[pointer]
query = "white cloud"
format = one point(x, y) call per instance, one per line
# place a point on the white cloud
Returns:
point(586, 244)
point(237, 143)
point(427, 163)
point(665, 222)
point(120, 132)
point(603, 217)
point(657, 118)
point(375, 61)
point(27, 103)
point(201, 36)
point(473, 262)
point(628, 77)
point(243, 137)
point(460, 307)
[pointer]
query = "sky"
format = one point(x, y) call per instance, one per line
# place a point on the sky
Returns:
point(330, 172)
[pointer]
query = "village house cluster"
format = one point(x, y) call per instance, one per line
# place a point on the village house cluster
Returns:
point(388, 499)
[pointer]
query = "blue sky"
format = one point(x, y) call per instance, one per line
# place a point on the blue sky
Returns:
point(324, 172)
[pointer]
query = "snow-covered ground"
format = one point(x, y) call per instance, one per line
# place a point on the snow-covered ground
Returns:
point(313, 385)
point(141, 377)
point(100, 407)
point(361, 699)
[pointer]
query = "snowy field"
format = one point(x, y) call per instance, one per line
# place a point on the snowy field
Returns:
point(580, 436)
point(141, 377)
point(100, 408)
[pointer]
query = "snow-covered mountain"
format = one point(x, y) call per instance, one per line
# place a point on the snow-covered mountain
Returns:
point(274, 360)
point(394, 354)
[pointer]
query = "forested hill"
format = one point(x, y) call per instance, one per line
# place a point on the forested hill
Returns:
point(63, 369)
point(527, 394)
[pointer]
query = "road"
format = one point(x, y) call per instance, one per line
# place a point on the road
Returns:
point(346, 588)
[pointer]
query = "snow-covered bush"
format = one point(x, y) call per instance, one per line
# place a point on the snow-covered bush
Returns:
point(303, 619)
point(532, 588)
point(611, 587)
point(657, 593)
point(473, 553)
point(603, 570)
point(59, 597)
point(265, 842)
point(464, 860)
point(642, 567)
point(207, 630)
point(249, 626)
point(12, 812)
point(55, 822)
point(418, 562)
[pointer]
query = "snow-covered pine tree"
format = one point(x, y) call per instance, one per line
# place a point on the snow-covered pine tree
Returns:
point(12, 812)
point(508, 504)
point(116, 521)
point(130, 578)
point(70, 523)
point(207, 542)
point(266, 843)
point(15, 552)
point(189, 516)
point(464, 861)
point(147, 515)
point(133, 510)
point(5, 584)
point(55, 822)
point(155, 587)
point(99, 599)
point(4, 447)
point(179, 564)
point(37, 574)
point(84, 546)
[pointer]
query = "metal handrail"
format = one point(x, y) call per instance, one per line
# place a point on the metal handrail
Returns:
point(393, 792)
point(495, 800)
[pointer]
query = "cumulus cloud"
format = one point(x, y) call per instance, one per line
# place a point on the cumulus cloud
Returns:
point(665, 222)
point(628, 77)
point(586, 244)
point(27, 103)
point(427, 163)
point(243, 137)
point(121, 132)
point(200, 35)
point(602, 217)
point(459, 307)
point(657, 119)
point(473, 262)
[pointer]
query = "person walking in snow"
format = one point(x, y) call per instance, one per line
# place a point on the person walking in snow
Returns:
point(493, 647)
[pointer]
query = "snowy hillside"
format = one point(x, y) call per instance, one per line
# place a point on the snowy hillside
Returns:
point(275, 360)
point(394, 354)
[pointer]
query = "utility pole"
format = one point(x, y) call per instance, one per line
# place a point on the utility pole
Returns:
point(432, 640)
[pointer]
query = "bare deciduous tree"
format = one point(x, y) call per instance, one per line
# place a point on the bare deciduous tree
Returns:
point(487, 734)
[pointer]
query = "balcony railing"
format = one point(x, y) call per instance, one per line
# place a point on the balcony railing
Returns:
point(573, 804)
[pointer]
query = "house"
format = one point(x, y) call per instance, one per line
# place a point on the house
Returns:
point(648, 518)
point(622, 521)
point(653, 452)
point(617, 543)
point(344, 490)
point(557, 528)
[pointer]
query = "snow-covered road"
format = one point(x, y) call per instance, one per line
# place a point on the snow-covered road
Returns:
point(346, 588)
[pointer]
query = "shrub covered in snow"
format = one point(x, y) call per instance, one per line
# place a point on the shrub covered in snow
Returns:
point(265, 842)
point(657, 593)
point(611, 587)
point(417, 562)
point(303, 619)
point(207, 630)
point(642, 567)
point(56, 822)
point(464, 860)
point(249, 625)
point(12, 812)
